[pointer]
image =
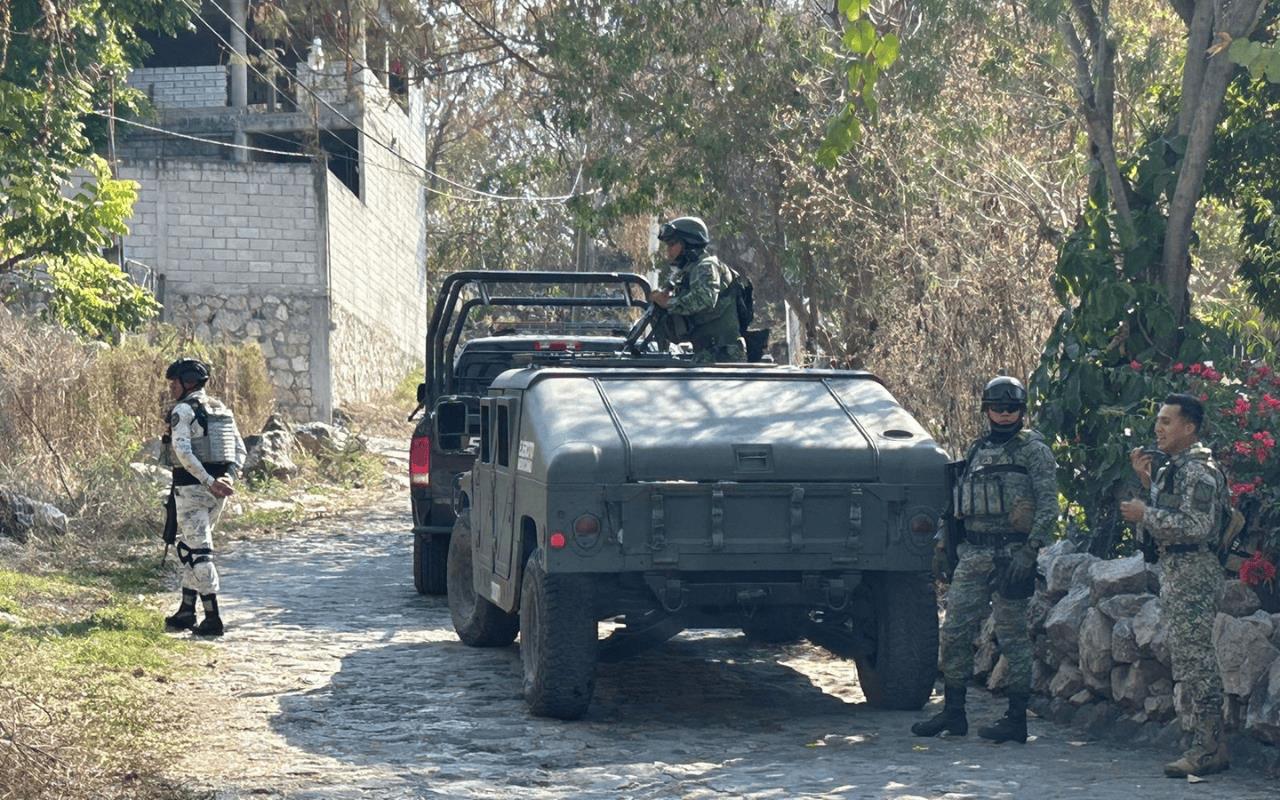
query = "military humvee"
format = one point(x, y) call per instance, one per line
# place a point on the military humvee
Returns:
point(463, 358)
point(665, 497)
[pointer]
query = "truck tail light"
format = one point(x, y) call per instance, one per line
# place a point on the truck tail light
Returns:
point(420, 461)
point(557, 346)
point(557, 541)
point(923, 523)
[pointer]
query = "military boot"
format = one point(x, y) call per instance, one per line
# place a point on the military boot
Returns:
point(1208, 754)
point(951, 719)
point(211, 625)
point(184, 619)
point(1012, 727)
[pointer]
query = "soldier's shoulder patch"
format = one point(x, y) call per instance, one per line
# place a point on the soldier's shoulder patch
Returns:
point(174, 419)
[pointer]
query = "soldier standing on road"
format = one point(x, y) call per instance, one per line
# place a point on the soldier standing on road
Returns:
point(700, 298)
point(206, 453)
point(1008, 500)
point(1188, 497)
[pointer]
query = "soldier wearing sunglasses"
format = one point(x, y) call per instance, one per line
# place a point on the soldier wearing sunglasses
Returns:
point(1007, 497)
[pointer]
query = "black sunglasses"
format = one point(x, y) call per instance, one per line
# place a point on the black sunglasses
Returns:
point(1005, 408)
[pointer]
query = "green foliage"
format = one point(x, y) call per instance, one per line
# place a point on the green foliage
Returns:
point(1262, 60)
point(868, 52)
point(58, 62)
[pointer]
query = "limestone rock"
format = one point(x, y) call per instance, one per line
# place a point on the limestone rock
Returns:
point(1262, 720)
point(1244, 652)
point(1041, 677)
point(1099, 684)
point(21, 517)
point(150, 473)
point(1238, 599)
point(1095, 644)
point(320, 437)
point(1151, 631)
point(1131, 683)
point(1118, 576)
point(1159, 707)
point(1124, 644)
point(1050, 554)
point(1038, 612)
point(270, 453)
point(1062, 571)
point(1080, 698)
point(1124, 605)
point(1067, 681)
point(1065, 618)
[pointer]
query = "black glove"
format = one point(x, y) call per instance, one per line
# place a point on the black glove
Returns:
point(170, 534)
point(1019, 580)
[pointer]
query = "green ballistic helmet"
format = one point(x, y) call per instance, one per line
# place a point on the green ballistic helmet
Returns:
point(690, 230)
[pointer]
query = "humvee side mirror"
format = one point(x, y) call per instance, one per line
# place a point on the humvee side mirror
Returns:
point(422, 393)
point(451, 424)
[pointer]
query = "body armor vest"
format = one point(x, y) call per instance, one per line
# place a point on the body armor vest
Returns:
point(994, 494)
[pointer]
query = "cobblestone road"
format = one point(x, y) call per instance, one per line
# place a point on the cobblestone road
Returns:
point(336, 680)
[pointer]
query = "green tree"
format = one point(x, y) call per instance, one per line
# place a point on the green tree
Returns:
point(60, 60)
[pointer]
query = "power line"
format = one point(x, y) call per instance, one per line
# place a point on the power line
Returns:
point(425, 171)
point(200, 139)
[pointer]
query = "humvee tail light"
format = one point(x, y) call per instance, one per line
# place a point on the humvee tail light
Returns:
point(557, 541)
point(586, 525)
point(420, 461)
point(923, 523)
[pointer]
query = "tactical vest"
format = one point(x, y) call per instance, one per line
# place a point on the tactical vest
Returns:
point(1163, 496)
point(717, 325)
point(214, 445)
point(994, 494)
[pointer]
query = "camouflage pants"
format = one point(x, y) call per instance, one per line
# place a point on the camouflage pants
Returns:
point(722, 354)
point(968, 601)
point(198, 511)
point(1190, 589)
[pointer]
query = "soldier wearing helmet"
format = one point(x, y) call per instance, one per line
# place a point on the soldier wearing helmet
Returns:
point(1007, 499)
point(206, 453)
point(700, 298)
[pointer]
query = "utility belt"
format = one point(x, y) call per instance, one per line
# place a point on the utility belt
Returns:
point(190, 556)
point(183, 478)
point(983, 539)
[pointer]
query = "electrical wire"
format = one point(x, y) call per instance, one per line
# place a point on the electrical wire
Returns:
point(201, 139)
point(424, 170)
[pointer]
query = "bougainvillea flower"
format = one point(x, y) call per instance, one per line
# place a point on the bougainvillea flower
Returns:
point(1196, 369)
point(1179, 367)
point(1257, 570)
point(1135, 365)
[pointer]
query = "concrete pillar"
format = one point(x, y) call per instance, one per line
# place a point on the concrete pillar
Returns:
point(239, 10)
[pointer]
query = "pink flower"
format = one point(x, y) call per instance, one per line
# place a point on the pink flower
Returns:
point(1263, 371)
point(1257, 570)
point(1270, 402)
point(1204, 398)
point(1179, 367)
point(1242, 407)
point(1135, 365)
point(1242, 448)
point(1196, 369)
point(1211, 374)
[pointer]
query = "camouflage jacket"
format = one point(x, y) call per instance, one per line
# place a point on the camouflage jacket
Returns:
point(1010, 487)
point(1187, 499)
point(185, 428)
point(698, 286)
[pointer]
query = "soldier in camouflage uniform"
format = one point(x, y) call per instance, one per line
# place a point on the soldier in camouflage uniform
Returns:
point(1008, 500)
point(1189, 497)
point(206, 453)
point(700, 300)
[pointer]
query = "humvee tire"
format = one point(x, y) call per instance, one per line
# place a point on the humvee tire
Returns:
point(900, 673)
point(477, 622)
point(557, 642)
point(430, 564)
point(775, 625)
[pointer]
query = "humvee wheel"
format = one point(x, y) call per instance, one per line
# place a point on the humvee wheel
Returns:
point(774, 625)
point(430, 563)
point(557, 642)
point(478, 622)
point(900, 672)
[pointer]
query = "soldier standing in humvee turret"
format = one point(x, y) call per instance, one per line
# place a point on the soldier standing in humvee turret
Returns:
point(701, 302)
point(1008, 500)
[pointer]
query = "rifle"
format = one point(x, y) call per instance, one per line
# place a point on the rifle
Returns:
point(952, 531)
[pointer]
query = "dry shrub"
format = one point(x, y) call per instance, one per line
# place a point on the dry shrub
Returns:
point(74, 414)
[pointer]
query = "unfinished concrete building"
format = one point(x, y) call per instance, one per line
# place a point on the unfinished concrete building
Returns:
point(282, 200)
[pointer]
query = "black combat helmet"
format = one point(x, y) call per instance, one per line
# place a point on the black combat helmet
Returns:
point(188, 370)
point(690, 230)
point(1003, 390)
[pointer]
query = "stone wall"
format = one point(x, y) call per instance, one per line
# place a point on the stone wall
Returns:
point(1102, 655)
point(282, 325)
point(182, 87)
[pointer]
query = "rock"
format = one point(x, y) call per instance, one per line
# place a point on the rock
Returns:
point(1061, 710)
point(8, 620)
point(21, 517)
point(1062, 572)
point(1263, 717)
point(318, 437)
point(1041, 677)
point(1098, 684)
point(1038, 612)
point(150, 473)
point(1124, 605)
point(1080, 698)
point(1124, 645)
point(1047, 555)
point(1098, 719)
point(277, 422)
point(1159, 707)
point(1118, 576)
point(1244, 651)
point(1162, 686)
point(1275, 629)
point(1151, 632)
point(1131, 683)
point(1238, 599)
point(1095, 644)
point(1065, 618)
point(1067, 681)
point(270, 453)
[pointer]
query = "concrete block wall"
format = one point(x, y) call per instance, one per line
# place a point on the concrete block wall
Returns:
point(182, 87)
point(377, 247)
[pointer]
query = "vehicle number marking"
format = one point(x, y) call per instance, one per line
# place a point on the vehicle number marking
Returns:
point(524, 460)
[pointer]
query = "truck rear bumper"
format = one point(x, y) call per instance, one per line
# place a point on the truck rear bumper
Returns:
point(828, 591)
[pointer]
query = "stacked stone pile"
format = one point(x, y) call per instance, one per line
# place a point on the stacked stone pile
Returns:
point(1102, 653)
